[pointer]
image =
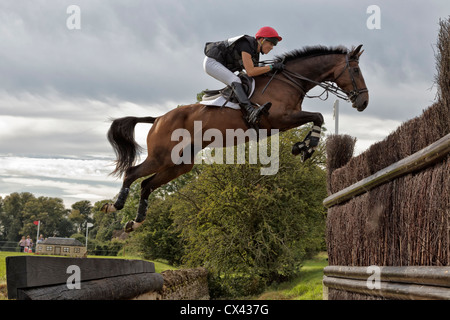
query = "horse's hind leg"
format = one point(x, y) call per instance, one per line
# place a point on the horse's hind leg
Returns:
point(146, 189)
point(133, 173)
point(151, 184)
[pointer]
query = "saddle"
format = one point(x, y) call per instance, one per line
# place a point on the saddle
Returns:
point(227, 93)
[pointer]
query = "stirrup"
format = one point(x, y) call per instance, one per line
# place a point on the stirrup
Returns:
point(253, 116)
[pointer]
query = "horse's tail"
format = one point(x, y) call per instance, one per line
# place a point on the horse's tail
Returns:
point(121, 137)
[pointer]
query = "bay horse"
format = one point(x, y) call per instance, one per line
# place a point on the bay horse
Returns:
point(335, 69)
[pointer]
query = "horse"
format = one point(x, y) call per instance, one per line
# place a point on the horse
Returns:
point(335, 69)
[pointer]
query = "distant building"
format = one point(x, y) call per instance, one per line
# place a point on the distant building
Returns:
point(62, 247)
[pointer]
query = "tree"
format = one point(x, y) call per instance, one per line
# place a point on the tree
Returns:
point(158, 237)
point(20, 210)
point(11, 216)
point(245, 227)
point(104, 224)
point(2, 227)
point(80, 215)
point(52, 214)
point(239, 223)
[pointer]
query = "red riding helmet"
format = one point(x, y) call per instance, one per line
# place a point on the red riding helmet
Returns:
point(267, 32)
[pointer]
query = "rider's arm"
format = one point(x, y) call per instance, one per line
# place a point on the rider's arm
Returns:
point(251, 70)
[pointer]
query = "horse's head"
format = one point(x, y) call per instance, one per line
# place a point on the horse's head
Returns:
point(350, 80)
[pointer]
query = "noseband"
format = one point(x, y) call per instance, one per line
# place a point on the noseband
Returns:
point(329, 87)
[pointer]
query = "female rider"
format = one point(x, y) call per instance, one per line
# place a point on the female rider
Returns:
point(223, 58)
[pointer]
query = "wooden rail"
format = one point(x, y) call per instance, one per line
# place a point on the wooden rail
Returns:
point(55, 278)
point(414, 283)
point(416, 161)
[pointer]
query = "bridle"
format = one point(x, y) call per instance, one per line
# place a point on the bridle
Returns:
point(328, 86)
point(352, 95)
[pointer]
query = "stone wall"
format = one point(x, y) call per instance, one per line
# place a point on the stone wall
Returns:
point(185, 284)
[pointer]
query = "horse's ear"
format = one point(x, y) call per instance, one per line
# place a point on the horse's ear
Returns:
point(356, 53)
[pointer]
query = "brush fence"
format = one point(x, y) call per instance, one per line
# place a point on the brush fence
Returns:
point(388, 234)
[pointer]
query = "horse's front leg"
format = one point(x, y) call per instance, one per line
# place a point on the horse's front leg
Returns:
point(307, 147)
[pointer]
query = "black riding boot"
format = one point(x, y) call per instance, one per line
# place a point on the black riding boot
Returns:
point(252, 114)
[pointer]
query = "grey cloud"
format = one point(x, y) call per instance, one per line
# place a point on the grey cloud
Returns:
point(138, 50)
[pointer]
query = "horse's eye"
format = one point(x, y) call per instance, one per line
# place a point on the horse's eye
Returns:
point(356, 70)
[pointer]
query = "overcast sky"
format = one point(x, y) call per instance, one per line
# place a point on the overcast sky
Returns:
point(59, 87)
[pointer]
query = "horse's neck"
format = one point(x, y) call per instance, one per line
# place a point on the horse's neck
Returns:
point(318, 68)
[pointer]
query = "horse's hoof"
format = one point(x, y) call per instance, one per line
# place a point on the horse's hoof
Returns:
point(303, 156)
point(298, 148)
point(108, 208)
point(131, 226)
point(306, 154)
point(295, 150)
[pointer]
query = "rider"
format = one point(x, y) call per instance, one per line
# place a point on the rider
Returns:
point(223, 58)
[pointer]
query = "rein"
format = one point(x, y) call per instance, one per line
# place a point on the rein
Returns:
point(329, 87)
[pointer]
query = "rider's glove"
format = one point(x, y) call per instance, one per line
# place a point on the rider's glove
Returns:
point(278, 66)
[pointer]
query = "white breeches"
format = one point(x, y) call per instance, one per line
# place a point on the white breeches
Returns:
point(219, 72)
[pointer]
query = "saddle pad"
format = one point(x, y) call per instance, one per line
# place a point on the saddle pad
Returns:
point(219, 100)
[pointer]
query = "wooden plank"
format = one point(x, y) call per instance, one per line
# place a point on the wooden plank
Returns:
point(113, 288)
point(414, 162)
point(390, 290)
point(35, 271)
point(421, 275)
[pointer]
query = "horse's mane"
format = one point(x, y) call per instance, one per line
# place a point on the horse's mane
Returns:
point(308, 52)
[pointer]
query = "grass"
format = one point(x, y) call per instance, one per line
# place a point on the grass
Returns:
point(307, 286)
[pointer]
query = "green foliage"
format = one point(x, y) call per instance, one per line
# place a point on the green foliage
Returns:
point(249, 230)
point(80, 237)
point(159, 239)
point(307, 285)
point(19, 210)
point(80, 215)
point(105, 248)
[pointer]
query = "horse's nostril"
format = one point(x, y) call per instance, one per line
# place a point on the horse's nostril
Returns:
point(363, 106)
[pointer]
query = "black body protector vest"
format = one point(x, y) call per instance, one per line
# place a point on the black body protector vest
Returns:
point(226, 53)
